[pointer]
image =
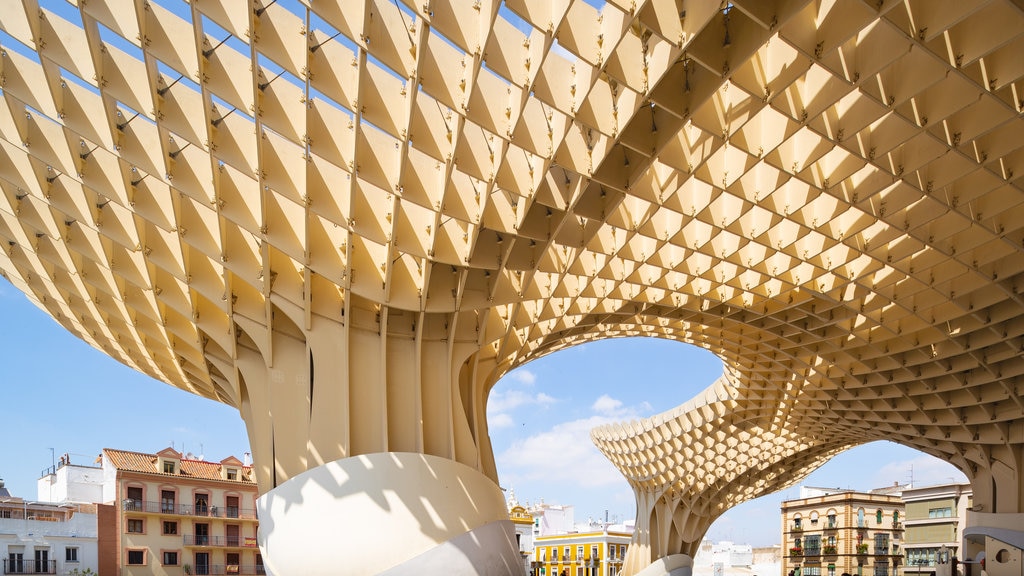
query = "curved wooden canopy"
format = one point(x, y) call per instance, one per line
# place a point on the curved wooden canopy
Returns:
point(827, 195)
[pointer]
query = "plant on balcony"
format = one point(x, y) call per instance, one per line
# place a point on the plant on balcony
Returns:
point(796, 551)
point(862, 548)
point(829, 550)
point(798, 528)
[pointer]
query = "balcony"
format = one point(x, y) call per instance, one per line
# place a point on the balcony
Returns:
point(795, 552)
point(188, 509)
point(812, 551)
point(219, 541)
point(30, 566)
point(829, 550)
point(240, 569)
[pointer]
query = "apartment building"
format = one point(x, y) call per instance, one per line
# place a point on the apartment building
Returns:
point(828, 532)
point(597, 553)
point(936, 517)
point(173, 514)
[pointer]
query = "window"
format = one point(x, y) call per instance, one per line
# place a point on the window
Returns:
point(940, 512)
point(168, 467)
point(259, 564)
point(134, 498)
point(878, 516)
point(170, 527)
point(16, 561)
point(881, 543)
point(5, 513)
point(167, 501)
point(593, 552)
point(567, 553)
point(812, 571)
point(232, 474)
point(814, 517)
point(71, 554)
point(611, 550)
point(921, 556)
point(202, 502)
point(831, 570)
point(796, 522)
point(135, 525)
point(232, 506)
point(860, 518)
point(832, 520)
point(42, 560)
point(579, 552)
point(881, 569)
point(170, 558)
point(136, 557)
point(812, 545)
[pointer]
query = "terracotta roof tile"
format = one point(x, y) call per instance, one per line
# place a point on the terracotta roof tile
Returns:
point(146, 463)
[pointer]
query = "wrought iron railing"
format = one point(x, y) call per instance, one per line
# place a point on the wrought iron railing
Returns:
point(229, 569)
point(30, 566)
point(130, 505)
point(219, 541)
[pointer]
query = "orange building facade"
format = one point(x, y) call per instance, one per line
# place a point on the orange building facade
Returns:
point(175, 515)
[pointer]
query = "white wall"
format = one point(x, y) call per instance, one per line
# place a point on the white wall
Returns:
point(71, 483)
point(32, 535)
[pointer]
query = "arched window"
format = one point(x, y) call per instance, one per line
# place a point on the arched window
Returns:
point(895, 518)
point(878, 516)
point(860, 518)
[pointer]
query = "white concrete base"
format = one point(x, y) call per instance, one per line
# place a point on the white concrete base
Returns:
point(388, 513)
point(675, 565)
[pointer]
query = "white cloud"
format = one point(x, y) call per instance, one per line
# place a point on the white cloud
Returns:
point(506, 400)
point(499, 421)
point(563, 454)
point(522, 376)
point(606, 405)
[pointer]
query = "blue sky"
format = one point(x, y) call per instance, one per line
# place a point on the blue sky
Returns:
point(60, 393)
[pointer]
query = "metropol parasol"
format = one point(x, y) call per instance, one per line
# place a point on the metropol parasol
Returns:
point(350, 219)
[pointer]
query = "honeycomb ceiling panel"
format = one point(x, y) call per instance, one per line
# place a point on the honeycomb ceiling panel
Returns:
point(827, 195)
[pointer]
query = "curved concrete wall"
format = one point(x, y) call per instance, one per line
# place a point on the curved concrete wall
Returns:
point(387, 513)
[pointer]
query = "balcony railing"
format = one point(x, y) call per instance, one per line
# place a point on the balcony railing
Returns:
point(30, 566)
point(221, 569)
point(219, 541)
point(130, 505)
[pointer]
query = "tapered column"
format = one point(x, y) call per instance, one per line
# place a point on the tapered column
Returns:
point(368, 439)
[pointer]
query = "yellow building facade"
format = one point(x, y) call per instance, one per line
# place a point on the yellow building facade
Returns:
point(177, 515)
point(834, 532)
point(598, 553)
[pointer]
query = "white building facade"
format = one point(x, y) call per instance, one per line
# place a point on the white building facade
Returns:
point(47, 537)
